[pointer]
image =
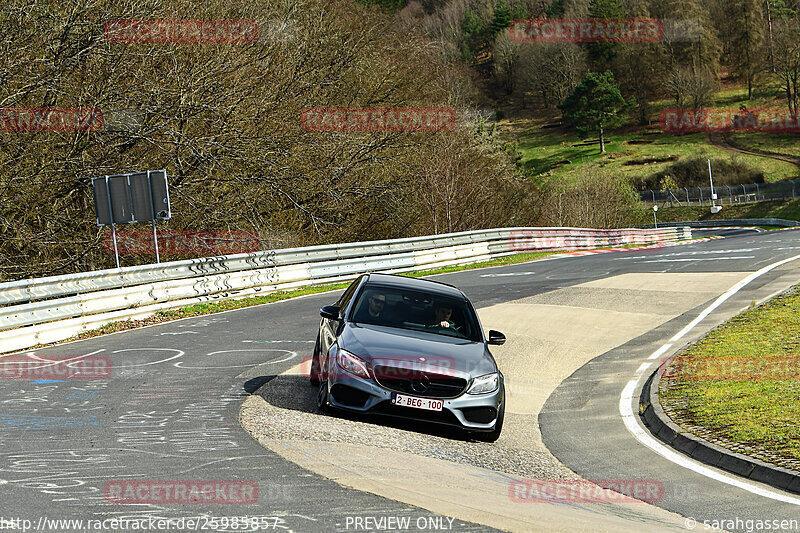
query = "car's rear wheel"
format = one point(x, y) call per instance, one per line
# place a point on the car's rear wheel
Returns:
point(493, 435)
point(313, 373)
point(322, 394)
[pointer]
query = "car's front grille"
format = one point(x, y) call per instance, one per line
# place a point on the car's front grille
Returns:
point(426, 384)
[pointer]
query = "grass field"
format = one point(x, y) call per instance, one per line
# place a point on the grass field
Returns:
point(552, 152)
point(561, 155)
point(789, 210)
point(779, 143)
point(742, 381)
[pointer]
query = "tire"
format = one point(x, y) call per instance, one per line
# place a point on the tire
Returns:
point(493, 435)
point(322, 394)
point(313, 373)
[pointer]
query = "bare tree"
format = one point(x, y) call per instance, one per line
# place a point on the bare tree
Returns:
point(551, 70)
point(787, 62)
point(691, 87)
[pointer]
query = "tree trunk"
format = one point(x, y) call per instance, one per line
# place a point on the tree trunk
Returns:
point(769, 27)
point(602, 141)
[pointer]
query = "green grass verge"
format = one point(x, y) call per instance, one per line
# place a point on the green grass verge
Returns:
point(555, 155)
point(788, 210)
point(779, 143)
point(636, 152)
point(714, 388)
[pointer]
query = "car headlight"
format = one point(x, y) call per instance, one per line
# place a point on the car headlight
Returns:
point(484, 384)
point(352, 364)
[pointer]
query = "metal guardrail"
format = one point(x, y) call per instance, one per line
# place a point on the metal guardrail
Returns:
point(726, 194)
point(51, 309)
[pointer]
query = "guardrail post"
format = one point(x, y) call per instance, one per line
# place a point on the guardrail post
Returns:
point(688, 202)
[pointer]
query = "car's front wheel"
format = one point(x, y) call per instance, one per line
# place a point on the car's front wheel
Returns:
point(322, 394)
point(313, 373)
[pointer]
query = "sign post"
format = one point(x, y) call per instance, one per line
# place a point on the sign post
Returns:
point(714, 207)
point(130, 198)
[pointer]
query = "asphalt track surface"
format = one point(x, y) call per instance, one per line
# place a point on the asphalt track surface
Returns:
point(169, 408)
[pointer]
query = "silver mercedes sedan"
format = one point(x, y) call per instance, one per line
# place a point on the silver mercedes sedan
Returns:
point(409, 348)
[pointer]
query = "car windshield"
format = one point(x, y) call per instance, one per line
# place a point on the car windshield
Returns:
point(415, 310)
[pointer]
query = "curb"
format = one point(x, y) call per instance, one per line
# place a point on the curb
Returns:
point(637, 248)
point(662, 427)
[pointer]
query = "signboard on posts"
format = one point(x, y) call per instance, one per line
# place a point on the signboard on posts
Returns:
point(129, 198)
point(135, 197)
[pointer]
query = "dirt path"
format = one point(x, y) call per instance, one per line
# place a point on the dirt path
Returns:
point(721, 140)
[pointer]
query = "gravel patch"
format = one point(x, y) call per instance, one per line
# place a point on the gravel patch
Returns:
point(284, 409)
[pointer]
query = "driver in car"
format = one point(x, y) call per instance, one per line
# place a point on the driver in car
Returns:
point(442, 314)
point(372, 313)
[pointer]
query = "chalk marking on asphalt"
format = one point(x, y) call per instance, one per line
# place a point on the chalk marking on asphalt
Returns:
point(632, 424)
point(700, 259)
point(507, 274)
point(179, 354)
point(291, 355)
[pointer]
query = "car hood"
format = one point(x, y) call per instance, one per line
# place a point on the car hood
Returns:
point(394, 346)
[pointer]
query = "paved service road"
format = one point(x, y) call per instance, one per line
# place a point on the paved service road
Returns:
point(170, 409)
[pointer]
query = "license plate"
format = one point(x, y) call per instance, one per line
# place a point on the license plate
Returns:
point(418, 403)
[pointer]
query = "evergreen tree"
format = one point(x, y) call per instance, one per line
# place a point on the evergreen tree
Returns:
point(556, 9)
point(698, 49)
point(474, 36)
point(747, 40)
point(501, 20)
point(603, 53)
point(595, 105)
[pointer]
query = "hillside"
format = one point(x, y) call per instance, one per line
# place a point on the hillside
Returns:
point(225, 110)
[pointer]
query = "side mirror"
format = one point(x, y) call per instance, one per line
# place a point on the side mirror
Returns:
point(495, 337)
point(331, 312)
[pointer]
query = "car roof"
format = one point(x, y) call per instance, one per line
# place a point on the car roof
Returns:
point(423, 285)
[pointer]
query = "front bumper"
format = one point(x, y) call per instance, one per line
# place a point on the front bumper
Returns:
point(474, 412)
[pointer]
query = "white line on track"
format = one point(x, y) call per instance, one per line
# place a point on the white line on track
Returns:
point(700, 259)
point(643, 436)
point(507, 274)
